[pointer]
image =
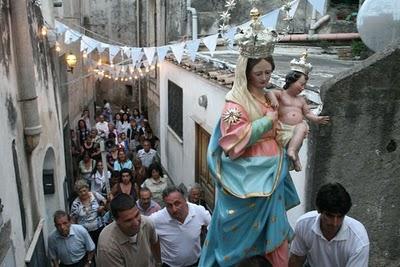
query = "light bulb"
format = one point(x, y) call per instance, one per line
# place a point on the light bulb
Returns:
point(43, 30)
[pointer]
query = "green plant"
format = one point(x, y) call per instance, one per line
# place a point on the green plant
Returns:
point(358, 47)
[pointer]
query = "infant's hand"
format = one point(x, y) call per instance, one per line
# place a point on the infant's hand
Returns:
point(323, 119)
point(274, 104)
point(273, 115)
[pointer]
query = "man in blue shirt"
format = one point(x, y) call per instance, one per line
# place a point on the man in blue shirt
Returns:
point(70, 243)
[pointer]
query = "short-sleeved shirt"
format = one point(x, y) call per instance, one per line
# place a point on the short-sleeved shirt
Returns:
point(180, 242)
point(350, 246)
point(154, 207)
point(88, 216)
point(70, 249)
point(118, 166)
point(117, 249)
point(147, 158)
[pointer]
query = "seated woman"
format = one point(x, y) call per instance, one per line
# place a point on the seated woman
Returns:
point(156, 183)
point(87, 209)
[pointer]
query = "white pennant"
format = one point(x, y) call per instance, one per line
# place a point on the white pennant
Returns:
point(162, 52)
point(60, 27)
point(193, 47)
point(294, 5)
point(177, 49)
point(127, 51)
point(90, 43)
point(270, 19)
point(136, 54)
point(113, 51)
point(102, 46)
point(71, 36)
point(211, 42)
point(319, 5)
point(149, 52)
point(230, 35)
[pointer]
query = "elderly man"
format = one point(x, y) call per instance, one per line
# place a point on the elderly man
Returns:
point(69, 244)
point(147, 155)
point(145, 204)
point(130, 240)
point(178, 227)
point(327, 237)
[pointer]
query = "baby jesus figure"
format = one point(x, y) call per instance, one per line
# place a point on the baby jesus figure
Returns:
point(293, 110)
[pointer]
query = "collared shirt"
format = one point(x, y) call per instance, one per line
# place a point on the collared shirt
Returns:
point(150, 210)
point(180, 242)
point(350, 246)
point(102, 128)
point(119, 250)
point(147, 158)
point(156, 188)
point(70, 249)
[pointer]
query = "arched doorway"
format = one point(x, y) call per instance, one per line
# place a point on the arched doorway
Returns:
point(49, 180)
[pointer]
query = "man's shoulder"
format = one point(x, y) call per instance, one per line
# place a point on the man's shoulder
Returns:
point(160, 216)
point(78, 229)
point(357, 230)
point(310, 216)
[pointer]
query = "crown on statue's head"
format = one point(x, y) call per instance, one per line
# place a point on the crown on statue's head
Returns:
point(301, 65)
point(256, 41)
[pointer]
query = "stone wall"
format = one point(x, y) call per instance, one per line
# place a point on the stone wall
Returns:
point(359, 148)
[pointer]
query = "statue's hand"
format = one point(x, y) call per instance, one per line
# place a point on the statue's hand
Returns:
point(323, 119)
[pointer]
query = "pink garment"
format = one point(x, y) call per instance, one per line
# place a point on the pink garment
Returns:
point(280, 256)
point(236, 136)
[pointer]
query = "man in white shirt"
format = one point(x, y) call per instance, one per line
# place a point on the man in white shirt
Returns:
point(327, 237)
point(102, 127)
point(147, 154)
point(178, 227)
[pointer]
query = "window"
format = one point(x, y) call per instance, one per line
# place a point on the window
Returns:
point(175, 108)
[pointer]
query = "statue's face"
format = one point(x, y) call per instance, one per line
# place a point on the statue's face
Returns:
point(259, 75)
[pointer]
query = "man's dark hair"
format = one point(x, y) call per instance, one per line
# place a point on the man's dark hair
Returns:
point(121, 202)
point(254, 261)
point(59, 214)
point(333, 198)
point(170, 189)
point(292, 77)
point(126, 170)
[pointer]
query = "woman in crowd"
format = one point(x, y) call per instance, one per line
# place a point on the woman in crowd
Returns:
point(82, 131)
point(86, 117)
point(112, 157)
point(87, 209)
point(125, 185)
point(86, 167)
point(137, 116)
point(140, 173)
point(99, 178)
point(123, 162)
point(156, 183)
point(124, 123)
point(253, 183)
point(118, 122)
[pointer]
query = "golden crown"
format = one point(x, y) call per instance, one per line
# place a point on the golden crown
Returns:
point(256, 41)
point(301, 65)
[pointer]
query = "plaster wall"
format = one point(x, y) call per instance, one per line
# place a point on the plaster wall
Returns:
point(26, 166)
point(360, 148)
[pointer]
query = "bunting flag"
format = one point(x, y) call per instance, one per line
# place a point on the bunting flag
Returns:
point(102, 46)
point(177, 49)
point(136, 54)
point(211, 42)
point(270, 19)
point(71, 36)
point(113, 51)
point(88, 43)
point(127, 51)
point(193, 47)
point(319, 5)
point(162, 52)
point(293, 9)
point(60, 28)
point(230, 36)
point(149, 52)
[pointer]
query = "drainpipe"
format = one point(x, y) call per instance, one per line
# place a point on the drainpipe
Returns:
point(313, 20)
point(319, 37)
point(26, 73)
point(194, 19)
